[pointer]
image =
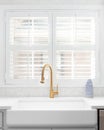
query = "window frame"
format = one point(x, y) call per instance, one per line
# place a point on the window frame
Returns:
point(52, 47)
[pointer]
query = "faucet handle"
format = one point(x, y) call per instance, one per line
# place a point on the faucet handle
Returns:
point(55, 92)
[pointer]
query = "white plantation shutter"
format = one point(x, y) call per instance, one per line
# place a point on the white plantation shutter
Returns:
point(75, 40)
point(67, 42)
point(28, 42)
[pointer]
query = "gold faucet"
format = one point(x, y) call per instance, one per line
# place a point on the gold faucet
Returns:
point(52, 92)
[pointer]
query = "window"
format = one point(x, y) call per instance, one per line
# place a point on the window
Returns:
point(67, 42)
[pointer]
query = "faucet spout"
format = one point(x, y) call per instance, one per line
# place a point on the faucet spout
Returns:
point(52, 92)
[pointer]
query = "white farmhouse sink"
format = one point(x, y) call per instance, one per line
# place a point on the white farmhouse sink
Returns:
point(51, 104)
point(45, 112)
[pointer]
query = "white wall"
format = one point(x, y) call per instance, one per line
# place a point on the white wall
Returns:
point(49, 2)
point(7, 90)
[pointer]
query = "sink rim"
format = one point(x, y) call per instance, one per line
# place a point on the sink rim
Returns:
point(56, 99)
point(47, 104)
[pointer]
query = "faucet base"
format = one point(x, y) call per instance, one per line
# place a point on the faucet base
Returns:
point(53, 93)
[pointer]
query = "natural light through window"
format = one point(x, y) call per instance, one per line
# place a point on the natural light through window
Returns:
point(66, 42)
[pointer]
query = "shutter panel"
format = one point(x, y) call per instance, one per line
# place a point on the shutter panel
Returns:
point(26, 35)
point(29, 31)
point(77, 36)
point(84, 64)
point(64, 30)
point(27, 64)
point(84, 30)
point(75, 64)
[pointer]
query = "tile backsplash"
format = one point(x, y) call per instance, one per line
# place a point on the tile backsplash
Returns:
point(44, 92)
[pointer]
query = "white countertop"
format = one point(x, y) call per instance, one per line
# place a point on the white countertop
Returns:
point(96, 102)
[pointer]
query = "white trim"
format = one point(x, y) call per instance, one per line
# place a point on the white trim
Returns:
point(50, 39)
point(96, 81)
point(52, 7)
point(54, 48)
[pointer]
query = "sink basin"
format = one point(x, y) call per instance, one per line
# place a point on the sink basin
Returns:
point(51, 104)
point(46, 112)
